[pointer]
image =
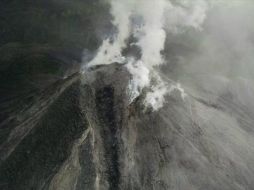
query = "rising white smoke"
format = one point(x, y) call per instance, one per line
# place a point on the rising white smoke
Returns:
point(153, 19)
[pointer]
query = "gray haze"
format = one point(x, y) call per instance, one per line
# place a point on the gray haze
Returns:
point(127, 95)
point(206, 134)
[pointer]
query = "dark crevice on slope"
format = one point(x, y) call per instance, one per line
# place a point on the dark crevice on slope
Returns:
point(106, 113)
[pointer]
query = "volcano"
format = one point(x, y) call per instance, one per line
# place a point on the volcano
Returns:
point(69, 119)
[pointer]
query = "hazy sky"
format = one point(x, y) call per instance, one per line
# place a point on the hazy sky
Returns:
point(201, 45)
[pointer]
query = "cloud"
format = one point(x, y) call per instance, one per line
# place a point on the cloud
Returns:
point(147, 22)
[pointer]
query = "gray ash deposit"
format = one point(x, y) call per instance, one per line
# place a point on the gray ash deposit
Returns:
point(126, 95)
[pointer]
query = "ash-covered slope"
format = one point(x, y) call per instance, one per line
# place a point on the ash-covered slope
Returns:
point(174, 113)
point(89, 137)
point(191, 143)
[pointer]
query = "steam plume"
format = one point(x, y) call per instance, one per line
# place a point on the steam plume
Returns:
point(152, 18)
